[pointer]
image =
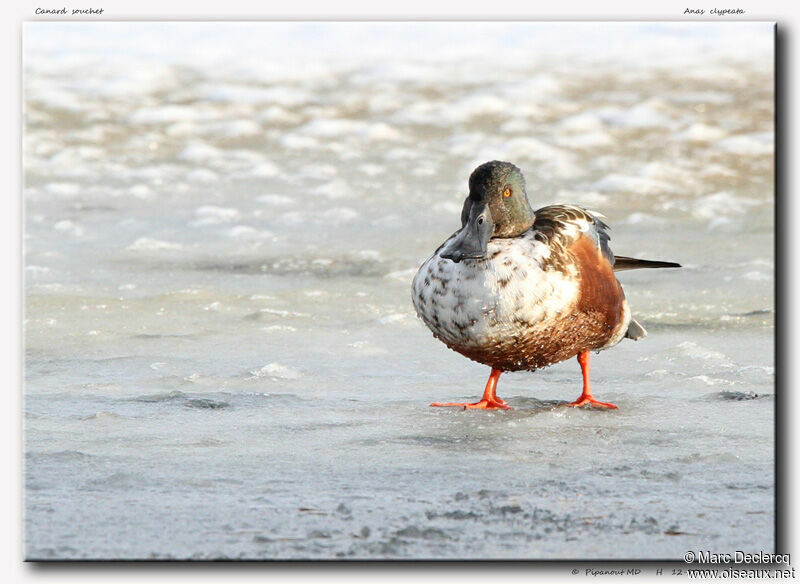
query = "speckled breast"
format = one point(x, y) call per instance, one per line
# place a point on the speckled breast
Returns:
point(512, 310)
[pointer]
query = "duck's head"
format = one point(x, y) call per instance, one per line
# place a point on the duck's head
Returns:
point(497, 206)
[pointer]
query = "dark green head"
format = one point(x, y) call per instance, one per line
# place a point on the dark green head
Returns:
point(497, 206)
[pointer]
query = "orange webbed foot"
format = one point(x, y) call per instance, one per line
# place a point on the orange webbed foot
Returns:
point(484, 404)
point(586, 398)
point(590, 401)
point(489, 401)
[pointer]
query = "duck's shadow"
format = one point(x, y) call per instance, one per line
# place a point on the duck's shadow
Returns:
point(531, 404)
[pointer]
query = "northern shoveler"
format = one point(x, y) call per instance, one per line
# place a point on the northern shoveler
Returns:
point(518, 290)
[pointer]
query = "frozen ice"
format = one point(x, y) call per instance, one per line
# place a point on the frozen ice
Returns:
point(222, 358)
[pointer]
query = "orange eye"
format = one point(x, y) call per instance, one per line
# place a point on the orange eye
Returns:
point(507, 192)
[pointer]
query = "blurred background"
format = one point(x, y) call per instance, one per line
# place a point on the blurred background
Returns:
point(222, 221)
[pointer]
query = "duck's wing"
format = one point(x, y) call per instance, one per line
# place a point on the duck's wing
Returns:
point(559, 226)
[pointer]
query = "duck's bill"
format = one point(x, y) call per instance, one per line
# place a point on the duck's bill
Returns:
point(472, 240)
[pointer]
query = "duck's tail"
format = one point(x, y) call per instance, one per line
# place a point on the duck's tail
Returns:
point(625, 263)
point(635, 331)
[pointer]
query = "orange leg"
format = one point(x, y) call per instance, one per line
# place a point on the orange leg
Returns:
point(489, 401)
point(586, 397)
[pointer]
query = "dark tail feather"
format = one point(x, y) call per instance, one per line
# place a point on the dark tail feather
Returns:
point(623, 263)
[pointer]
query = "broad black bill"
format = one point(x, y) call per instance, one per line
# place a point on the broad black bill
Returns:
point(477, 229)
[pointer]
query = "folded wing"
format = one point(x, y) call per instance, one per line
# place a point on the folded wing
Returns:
point(560, 225)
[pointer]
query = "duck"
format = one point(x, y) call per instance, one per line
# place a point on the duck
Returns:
point(519, 290)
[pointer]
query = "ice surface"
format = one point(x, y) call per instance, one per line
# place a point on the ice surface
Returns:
point(222, 359)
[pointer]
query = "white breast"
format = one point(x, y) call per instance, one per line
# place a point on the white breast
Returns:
point(475, 303)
